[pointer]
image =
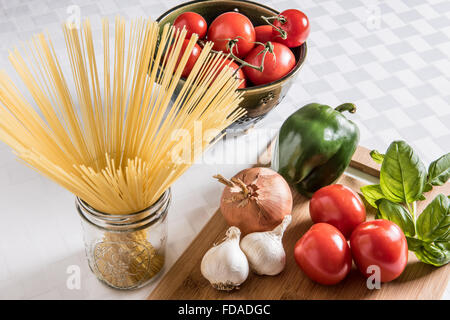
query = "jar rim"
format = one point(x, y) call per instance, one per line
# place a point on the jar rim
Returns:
point(125, 222)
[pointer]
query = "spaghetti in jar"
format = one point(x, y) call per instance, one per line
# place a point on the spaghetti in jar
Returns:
point(126, 251)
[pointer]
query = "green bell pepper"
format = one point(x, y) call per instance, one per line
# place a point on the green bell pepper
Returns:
point(314, 146)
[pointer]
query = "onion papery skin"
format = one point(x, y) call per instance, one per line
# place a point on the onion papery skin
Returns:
point(269, 201)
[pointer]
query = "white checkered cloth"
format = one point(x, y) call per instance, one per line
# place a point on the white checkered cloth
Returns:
point(391, 58)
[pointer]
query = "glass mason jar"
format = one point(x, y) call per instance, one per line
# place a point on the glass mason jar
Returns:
point(125, 251)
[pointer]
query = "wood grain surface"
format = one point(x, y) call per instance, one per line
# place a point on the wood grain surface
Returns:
point(184, 280)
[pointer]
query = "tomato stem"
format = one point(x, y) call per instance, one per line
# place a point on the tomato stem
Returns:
point(282, 20)
point(268, 47)
point(202, 45)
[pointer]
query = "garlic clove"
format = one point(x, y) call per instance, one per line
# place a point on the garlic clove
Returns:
point(264, 250)
point(281, 228)
point(225, 266)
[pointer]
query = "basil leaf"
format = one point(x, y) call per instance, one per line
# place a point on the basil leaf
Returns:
point(376, 156)
point(414, 244)
point(427, 187)
point(437, 254)
point(396, 213)
point(372, 193)
point(402, 176)
point(439, 170)
point(434, 222)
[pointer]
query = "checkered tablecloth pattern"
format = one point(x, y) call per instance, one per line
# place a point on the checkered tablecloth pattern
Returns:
point(391, 58)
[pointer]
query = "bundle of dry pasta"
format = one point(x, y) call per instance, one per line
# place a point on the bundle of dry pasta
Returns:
point(117, 145)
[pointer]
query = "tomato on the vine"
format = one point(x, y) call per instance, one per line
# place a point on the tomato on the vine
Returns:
point(263, 33)
point(232, 25)
point(195, 53)
point(323, 254)
point(193, 22)
point(339, 206)
point(295, 24)
point(276, 64)
point(379, 245)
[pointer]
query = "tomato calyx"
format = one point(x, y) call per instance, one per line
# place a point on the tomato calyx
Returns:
point(268, 48)
point(282, 20)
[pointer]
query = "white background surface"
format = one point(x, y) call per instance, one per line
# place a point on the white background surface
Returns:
point(389, 57)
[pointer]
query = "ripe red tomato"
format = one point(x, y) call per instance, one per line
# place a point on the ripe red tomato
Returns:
point(296, 25)
point(275, 67)
point(263, 33)
point(379, 243)
point(231, 25)
point(339, 206)
point(323, 254)
point(193, 22)
point(239, 74)
point(195, 53)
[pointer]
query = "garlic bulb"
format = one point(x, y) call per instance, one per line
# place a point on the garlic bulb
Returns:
point(264, 250)
point(225, 265)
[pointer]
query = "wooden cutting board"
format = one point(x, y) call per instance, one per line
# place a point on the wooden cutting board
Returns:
point(184, 280)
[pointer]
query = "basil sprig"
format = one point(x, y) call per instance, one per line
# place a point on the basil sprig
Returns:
point(439, 171)
point(403, 181)
point(402, 175)
point(396, 213)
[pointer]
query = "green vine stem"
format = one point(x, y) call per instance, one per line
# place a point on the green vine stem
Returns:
point(268, 47)
point(282, 20)
point(202, 45)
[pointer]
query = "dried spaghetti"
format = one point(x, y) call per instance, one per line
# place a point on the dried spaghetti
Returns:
point(117, 144)
point(114, 147)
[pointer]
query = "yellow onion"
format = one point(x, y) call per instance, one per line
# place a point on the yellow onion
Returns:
point(255, 200)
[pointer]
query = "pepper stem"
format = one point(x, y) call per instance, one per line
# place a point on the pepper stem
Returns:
point(350, 107)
